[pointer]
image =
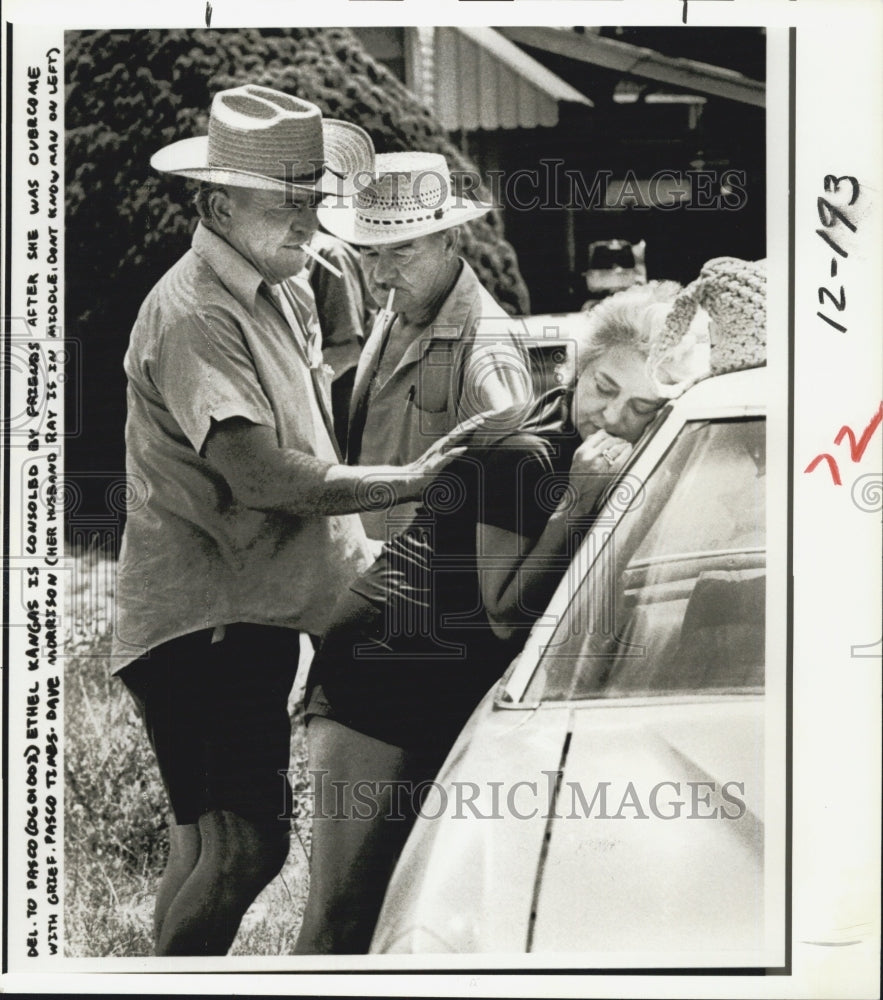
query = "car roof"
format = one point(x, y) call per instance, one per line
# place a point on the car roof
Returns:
point(719, 393)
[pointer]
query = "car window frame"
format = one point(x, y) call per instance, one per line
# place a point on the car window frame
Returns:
point(650, 453)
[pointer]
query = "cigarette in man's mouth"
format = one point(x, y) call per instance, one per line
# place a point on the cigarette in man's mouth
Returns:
point(307, 249)
point(392, 292)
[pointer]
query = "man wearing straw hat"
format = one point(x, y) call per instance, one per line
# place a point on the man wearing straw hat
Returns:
point(442, 349)
point(242, 531)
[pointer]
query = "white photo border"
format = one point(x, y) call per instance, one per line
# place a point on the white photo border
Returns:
point(824, 106)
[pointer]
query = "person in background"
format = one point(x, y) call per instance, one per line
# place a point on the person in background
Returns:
point(442, 349)
point(346, 313)
point(240, 532)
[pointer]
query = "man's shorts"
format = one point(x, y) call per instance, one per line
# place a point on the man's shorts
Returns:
point(216, 714)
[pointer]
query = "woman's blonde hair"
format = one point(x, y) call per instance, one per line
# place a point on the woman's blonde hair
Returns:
point(631, 318)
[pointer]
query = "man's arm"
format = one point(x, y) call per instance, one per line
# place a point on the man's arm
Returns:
point(266, 477)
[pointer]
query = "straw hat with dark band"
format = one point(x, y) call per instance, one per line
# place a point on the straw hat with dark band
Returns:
point(409, 195)
point(263, 138)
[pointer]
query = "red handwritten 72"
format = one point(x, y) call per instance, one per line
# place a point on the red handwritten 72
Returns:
point(856, 448)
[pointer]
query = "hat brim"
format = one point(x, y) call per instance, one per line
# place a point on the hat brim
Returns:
point(339, 218)
point(348, 152)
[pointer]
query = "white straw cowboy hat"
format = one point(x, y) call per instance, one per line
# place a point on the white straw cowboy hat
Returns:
point(408, 195)
point(263, 138)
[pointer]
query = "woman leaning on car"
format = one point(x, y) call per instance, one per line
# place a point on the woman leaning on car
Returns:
point(421, 636)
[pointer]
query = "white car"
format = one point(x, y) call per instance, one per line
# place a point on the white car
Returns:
point(606, 797)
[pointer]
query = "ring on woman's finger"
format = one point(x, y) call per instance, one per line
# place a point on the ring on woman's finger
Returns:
point(608, 456)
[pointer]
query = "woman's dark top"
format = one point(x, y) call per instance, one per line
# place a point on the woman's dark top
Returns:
point(411, 650)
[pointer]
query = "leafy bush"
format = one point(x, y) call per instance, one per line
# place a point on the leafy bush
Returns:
point(131, 92)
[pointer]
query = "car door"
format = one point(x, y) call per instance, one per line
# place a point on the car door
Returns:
point(657, 838)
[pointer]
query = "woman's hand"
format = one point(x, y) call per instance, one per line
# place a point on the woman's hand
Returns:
point(597, 460)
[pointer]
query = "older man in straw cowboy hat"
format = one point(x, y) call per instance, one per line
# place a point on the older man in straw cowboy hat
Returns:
point(243, 531)
point(442, 348)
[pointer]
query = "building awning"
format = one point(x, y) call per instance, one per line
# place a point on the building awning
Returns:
point(636, 61)
point(473, 78)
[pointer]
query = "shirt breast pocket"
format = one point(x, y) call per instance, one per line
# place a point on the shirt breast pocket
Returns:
point(427, 418)
point(426, 425)
point(432, 389)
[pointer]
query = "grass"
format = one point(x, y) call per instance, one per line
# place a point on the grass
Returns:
point(116, 817)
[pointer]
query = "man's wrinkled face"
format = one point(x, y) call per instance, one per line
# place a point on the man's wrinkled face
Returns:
point(269, 228)
point(418, 270)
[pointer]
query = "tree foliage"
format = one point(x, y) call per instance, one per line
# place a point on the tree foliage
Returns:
point(132, 92)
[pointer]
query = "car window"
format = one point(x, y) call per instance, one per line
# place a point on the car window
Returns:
point(675, 600)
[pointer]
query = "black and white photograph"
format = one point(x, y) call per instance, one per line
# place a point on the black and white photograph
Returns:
point(431, 454)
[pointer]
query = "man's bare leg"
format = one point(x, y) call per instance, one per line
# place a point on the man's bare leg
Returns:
point(352, 855)
point(236, 861)
point(184, 844)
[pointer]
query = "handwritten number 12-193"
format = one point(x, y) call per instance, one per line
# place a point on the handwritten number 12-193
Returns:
point(830, 216)
point(843, 193)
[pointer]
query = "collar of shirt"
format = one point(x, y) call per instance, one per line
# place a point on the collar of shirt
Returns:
point(292, 310)
point(244, 282)
point(238, 276)
point(456, 309)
